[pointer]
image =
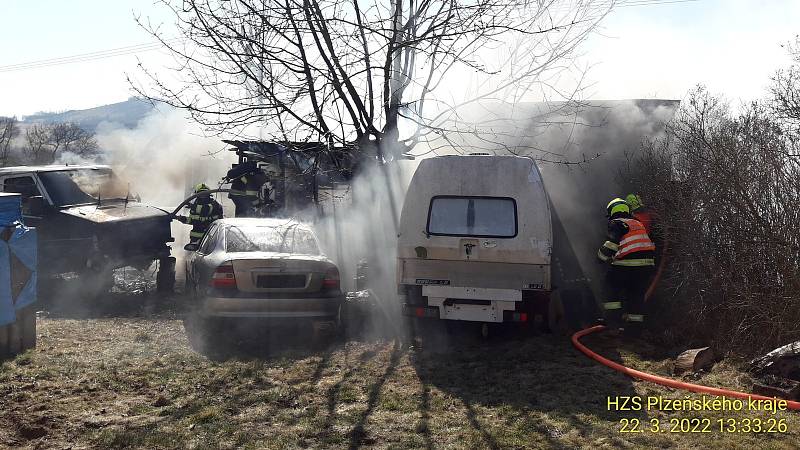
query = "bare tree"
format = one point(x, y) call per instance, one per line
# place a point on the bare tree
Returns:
point(8, 131)
point(45, 141)
point(381, 76)
point(786, 97)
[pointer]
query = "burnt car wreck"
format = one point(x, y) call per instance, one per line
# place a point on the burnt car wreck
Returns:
point(294, 173)
point(89, 223)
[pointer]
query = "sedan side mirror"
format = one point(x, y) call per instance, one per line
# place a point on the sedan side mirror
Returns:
point(191, 247)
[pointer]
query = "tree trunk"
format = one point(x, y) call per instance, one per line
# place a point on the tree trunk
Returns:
point(694, 360)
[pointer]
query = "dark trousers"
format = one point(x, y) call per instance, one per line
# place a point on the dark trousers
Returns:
point(243, 205)
point(197, 233)
point(624, 302)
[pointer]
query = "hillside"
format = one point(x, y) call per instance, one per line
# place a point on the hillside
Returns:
point(126, 114)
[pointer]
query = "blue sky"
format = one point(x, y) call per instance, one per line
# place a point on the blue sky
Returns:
point(650, 51)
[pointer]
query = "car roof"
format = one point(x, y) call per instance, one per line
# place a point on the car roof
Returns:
point(50, 168)
point(262, 222)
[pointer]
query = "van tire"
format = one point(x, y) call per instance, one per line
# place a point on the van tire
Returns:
point(556, 318)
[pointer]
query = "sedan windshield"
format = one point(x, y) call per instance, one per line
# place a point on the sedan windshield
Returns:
point(81, 186)
point(283, 239)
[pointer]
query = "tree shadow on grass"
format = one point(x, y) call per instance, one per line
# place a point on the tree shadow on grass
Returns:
point(524, 377)
point(225, 339)
point(358, 434)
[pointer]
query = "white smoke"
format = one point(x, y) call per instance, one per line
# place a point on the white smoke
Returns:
point(161, 159)
point(360, 223)
point(164, 156)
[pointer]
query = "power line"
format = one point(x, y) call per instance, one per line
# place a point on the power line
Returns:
point(147, 47)
point(91, 56)
point(623, 4)
point(626, 3)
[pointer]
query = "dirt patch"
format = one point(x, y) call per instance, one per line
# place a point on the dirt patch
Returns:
point(136, 382)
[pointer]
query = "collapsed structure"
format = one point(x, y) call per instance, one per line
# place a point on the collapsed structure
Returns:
point(298, 176)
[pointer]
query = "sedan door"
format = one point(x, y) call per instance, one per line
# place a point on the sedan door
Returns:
point(195, 261)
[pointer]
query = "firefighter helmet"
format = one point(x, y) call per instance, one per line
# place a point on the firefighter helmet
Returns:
point(617, 205)
point(634, 201)
point(200, 188)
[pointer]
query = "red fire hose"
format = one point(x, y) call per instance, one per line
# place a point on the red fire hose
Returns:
point(662, 380)
point(659, 271)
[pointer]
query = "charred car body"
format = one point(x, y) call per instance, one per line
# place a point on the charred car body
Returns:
point(297, 174)
point(89, 222)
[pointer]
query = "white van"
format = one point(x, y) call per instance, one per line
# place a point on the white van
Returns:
point(475, 240)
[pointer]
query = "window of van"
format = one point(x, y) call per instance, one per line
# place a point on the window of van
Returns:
point(472, 216)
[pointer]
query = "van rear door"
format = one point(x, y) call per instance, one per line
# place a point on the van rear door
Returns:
point(475, 221)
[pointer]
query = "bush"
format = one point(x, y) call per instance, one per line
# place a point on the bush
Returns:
point(726, 187)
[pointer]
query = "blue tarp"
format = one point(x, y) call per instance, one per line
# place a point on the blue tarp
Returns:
point(17, 270)
point(10, 208)
point(7, 314)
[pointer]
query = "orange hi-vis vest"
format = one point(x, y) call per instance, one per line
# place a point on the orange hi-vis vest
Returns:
point(635, 240)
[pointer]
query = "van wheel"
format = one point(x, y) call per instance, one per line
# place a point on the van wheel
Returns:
point(555, 315)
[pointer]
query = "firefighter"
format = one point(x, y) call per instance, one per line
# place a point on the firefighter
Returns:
point(631, 254)
point(203, 211)
point(246, 181)
point(640, 212)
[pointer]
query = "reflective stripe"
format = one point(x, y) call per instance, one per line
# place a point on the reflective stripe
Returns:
point(608, 306)
point(251, 193)
point(634, 262)
point(632, 243)
point(640, 246)
point(607, 251)
point(637, 237)
point(236, 193)
point(196, 233)
point(634, 318)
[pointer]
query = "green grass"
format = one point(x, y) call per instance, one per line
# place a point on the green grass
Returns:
point(93, 383)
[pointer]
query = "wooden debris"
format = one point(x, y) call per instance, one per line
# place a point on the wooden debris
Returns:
point(772, 386)
point(694, 360)
point(783, 361)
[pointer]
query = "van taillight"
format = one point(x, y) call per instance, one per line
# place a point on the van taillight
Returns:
point(331, 280)
point(223, 276)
